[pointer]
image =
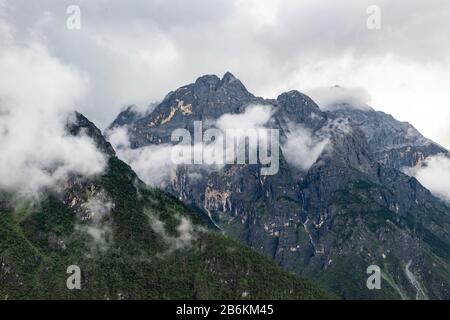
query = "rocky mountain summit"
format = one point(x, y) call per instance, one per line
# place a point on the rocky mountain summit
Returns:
point(339, 201)
point(395, 144)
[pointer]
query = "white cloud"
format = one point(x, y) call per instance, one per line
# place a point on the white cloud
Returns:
point(155, 164)
point(95, 222)
point(434, 174)
point(254, 117)
point(303, 148)
point(118, 137)
point(101, 236)
point(37, 95)
point(336, 97)
point(186, 232)
point(98, 207)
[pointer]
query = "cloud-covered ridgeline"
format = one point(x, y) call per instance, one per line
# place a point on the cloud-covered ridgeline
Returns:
point(37, 96)
point(126, 54)
point(155, 163)
point(335, 97)
point(137, 53)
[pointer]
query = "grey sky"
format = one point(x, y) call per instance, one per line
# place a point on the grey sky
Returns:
point(137, 51)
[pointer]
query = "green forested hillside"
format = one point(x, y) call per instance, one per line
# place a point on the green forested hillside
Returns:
point(148, 246)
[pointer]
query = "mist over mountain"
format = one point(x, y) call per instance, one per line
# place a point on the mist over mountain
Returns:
point(339, 202)
point(134, 166)
point(129, 241)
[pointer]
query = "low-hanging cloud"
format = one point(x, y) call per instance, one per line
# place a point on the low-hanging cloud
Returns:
point(155, 164)
point(302, 147)
point(336, 97)
point(151, 163)
point(434, 174)
point(118, 137)
point(254, 117)
point(187, 232)
point(37, 96)
point(98, 207)
point(96, 220)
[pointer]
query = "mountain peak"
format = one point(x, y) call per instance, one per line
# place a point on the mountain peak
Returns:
point(296, 99)
point(78, 123)
point(209, 79)
point(228, 77)
point(228, 81)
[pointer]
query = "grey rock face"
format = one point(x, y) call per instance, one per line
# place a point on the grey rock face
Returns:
point(396, 144)
point(352, 208)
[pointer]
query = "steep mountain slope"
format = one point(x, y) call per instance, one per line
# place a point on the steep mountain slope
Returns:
point(395, 144)
point(130, 242)
point(349, 209)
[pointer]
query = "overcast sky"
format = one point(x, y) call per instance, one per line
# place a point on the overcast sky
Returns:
point(134, 52)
